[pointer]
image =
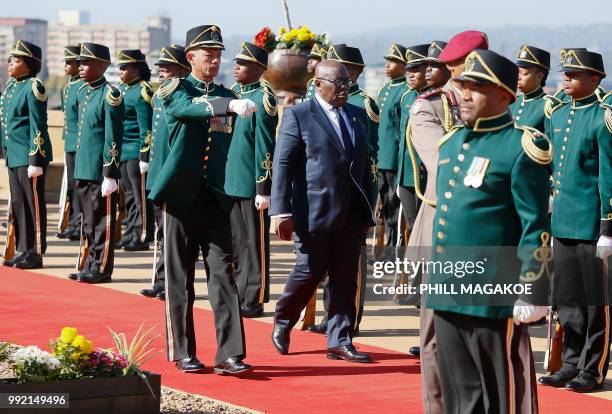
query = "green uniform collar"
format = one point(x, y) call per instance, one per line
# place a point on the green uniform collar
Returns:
point(397, 81)
point(354, 88)
point(98, 82)
point(24, 77)
point(75, 78)
point(585, 102)
point(537, 93)
point(132, 82)
point(250, 87)
point(493, 123)
point(204, 86)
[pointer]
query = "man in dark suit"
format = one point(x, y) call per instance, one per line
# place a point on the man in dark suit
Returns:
point(320, 189)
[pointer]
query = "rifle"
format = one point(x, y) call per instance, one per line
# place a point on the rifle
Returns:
point(554, 343)
point(83, 249)
point(120, 214)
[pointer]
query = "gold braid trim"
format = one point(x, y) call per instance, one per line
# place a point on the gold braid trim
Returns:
point(146, 92)
point(415, 166)
point(373, 169)
point(41, 96)
point(111, 98)
point(267, 166)
point(448, 113)
point(114, 153)
point(38, 141)
point(168, 88)
point(542, 254)
point(367, 103)
point(147, 142)
point(608, 117)
point(268, 104)
point(538, 155)
point(449, 135)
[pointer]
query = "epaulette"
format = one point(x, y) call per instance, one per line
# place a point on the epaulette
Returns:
point(430, 93)
point(601, 93)
point(113, 95)
point(39, 90)
point(269, 102)
point(405, 93)
point(607, 111)
point(605, 98)
point(551, 102)
point(371, 110)
point(449, 135)
point(168, 87)
point(146, 92)
point(530, 139)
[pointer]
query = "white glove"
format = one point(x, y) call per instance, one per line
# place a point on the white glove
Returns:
point(242, 107)
point(604, 244)
point(144, 167)
point(523, 312)
point(262, 202)
point(109, 186)
point(550, 204)
point(34, 171)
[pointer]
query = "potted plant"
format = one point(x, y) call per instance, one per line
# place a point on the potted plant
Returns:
point(95, 381)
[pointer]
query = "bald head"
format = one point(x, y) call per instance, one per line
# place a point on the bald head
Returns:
point(332, 82)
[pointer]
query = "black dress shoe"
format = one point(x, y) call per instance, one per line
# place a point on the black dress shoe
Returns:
point(415, 351)
point(74, 236)
point(560, 378)
point(75, 276)
point(281, 339)
point(18, 256)
point(135, 247)
point(30, 261)
point(150, 293)
point(63, 234)
point(348, 353)
point(190, 364)
point(121, 243)
point(320, 328)
point(161, 295)
point(251, 311)
point(584, 382)
point(94, 277)
point(232, 366)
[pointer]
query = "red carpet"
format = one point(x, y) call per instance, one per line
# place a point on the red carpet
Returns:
point(35, 307)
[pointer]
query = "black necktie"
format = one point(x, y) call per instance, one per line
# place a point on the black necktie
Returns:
point(346, 136)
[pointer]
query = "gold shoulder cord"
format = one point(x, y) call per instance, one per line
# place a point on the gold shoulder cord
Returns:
point(415, 166)
point(368, 107)
point(146, 92)
point(538, 155)
point(111, 99)
point(168, 88)
point(448, 114)
point(40, 96)
point(270, 107)
point(608, 117)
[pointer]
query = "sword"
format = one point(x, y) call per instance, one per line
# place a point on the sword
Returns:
point(64, 205)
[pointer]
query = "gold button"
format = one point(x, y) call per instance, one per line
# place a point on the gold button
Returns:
point(444, 207)
point(556, 191)
point(209, 129)
point(456, 169)
point(205, 167)
point(209, 139)
point(560, 164)
point(439, 249)
point(460, 157)
point(559, 174)
point(562, 156)
point(569, 121)
point(564, 139)
point(448, 195)
point(520, 111)
point(572, 112)
point(567, 129)
point(452, 182)
point(466, 146)
point(522, 103)
point(207, 148)
point(558, 182)
point(442, 222)
point(440, 235)
point(563, 148)
point(517, 118)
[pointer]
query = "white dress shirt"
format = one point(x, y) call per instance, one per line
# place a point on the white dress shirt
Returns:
point(333, 118)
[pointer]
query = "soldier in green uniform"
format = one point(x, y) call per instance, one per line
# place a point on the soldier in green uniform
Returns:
point(492, 191)
point(27, 153)
point(70, 221)
point(533, 64)
point(172, 62)
point(317, 53)
point(196, 209)
point(248, 178)
point(97, 163)
point(137, 93)
point(353, 61)
point(581, 223)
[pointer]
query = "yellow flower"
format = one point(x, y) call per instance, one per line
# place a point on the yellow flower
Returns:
point(83, 344)
point(303, 37)
point(68, 334)
point(288, 37)
point(305, 28)
point(282, 30)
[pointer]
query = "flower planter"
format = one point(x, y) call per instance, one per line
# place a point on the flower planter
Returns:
point(287, 70)
point(125, 395)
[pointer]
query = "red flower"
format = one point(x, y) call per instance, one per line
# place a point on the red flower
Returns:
point(262, 37)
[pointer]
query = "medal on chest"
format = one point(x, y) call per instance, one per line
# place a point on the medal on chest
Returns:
point(221, 124)
point(475, 174)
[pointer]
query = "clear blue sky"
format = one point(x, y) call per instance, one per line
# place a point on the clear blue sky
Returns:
point(239, 17)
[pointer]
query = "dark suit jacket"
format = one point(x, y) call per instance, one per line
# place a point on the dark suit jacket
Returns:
point(312, 177)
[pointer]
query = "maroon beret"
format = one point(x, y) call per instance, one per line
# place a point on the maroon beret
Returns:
point(462, 44)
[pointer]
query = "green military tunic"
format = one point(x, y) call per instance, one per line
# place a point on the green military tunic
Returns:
point(24, 123)
point(390, 117)
point(159, 147)
point(582, 177)
point(200, 133)
point(359, 98)
point(528, 109)
point(405, 175)
point(70, 107)
point(310, 89)
point(100, 131)
point(249, 165)
point(136, 118)
point(505, 207)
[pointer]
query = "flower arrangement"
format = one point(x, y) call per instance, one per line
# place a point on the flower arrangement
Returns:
point(300, 38)
point(72, 356)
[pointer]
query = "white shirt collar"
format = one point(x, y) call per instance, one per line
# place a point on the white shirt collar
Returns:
point(326, 106)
